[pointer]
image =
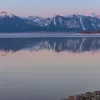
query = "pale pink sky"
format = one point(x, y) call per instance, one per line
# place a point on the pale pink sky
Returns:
point(50, 8)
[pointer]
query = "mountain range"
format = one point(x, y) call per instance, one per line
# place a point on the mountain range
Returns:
point(70, 23)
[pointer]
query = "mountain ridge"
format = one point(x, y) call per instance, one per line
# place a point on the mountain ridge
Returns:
point(58, 23)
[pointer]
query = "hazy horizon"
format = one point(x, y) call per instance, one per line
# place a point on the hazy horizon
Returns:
point(45, 8)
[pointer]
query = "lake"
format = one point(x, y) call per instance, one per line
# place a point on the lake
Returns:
point(48, 68)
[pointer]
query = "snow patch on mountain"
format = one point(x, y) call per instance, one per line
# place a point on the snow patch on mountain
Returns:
point(5, 14)
point(60, 21)
point(54, 19)
point(37, 20)
point(93, 25)
point(81, 21)
point(98, 25)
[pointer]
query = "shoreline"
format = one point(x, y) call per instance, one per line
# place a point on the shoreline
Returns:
point(87, 96)
point(46, 35)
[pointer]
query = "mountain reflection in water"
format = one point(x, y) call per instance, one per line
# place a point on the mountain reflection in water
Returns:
point(77, 44)
point(44, 69)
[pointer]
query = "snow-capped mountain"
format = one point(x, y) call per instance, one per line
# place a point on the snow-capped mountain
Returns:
point(76, 23)
point(70, 23)
point(40, 21)
point(37, 20)
point(5, 14)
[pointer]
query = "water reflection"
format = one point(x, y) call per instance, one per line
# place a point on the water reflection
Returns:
point(34, 70)
point(48, 75)
point(77, 44)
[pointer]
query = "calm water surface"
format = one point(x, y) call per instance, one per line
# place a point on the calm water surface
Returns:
point(44, 69)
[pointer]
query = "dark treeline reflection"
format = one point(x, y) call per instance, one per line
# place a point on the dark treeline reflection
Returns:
point(78, 44)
